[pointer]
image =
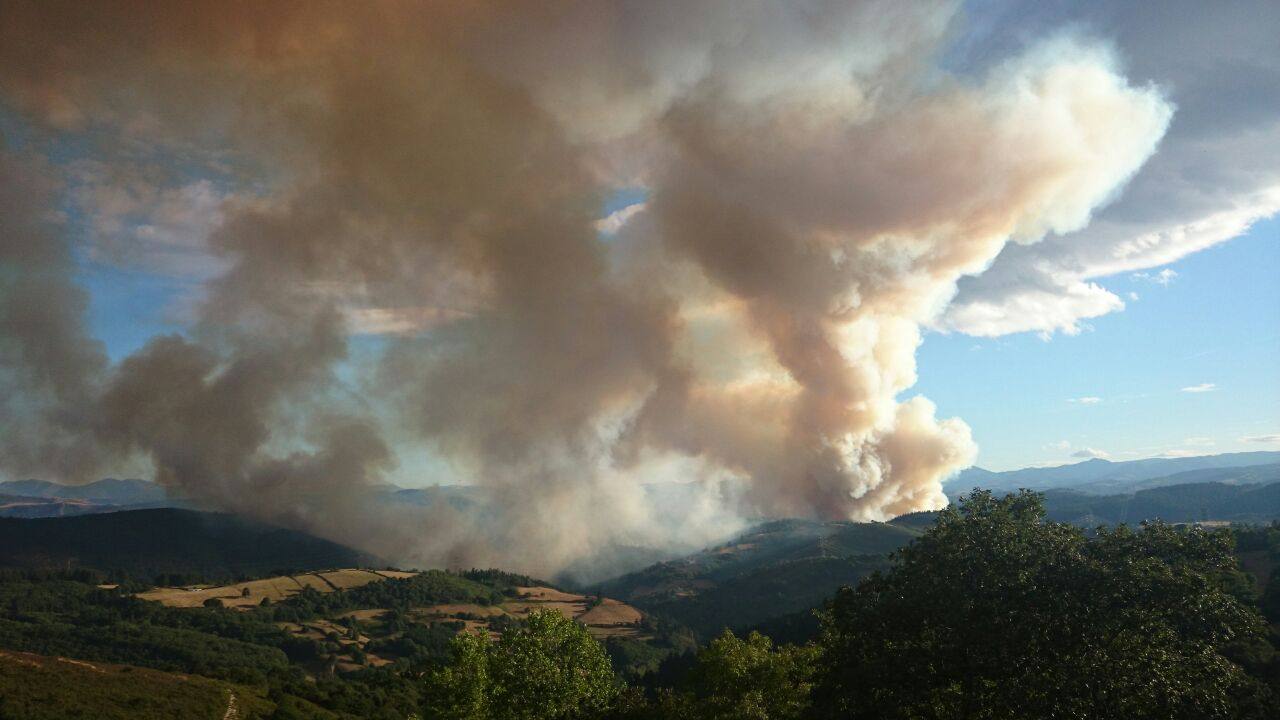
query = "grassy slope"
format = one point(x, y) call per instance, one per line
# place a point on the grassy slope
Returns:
point(36, 687)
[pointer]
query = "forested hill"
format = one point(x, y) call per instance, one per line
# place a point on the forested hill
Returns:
point(1189, 502)
point(775, 569)
point(146, 543)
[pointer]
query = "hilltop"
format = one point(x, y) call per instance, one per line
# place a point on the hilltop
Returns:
point(145, 543)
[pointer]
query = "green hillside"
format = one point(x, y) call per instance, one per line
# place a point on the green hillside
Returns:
point(777, 568)
point(36, 687)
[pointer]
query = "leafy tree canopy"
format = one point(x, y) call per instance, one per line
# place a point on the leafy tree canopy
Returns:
point(997, 613)
point(749, 679)
point(548, 668)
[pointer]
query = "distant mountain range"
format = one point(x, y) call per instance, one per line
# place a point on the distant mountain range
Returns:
point(108, 490)
point(41, 498)
point(1102, 477)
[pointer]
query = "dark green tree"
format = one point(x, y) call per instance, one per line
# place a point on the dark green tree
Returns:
point(1270, 600)
point(997, 613)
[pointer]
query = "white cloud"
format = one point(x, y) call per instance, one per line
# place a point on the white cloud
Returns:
point(1053, 305)
point(1088, 400)
point(1201, 441)
point(398, 321)
point(1216, 173)
point(1133, 296)
point(1201, 388)
point(1262, 439)
point(1091, 453)
point(1164, 277)
point(1060, 445)
point(613, 222)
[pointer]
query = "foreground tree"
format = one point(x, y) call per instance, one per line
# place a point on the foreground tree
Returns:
point(748, 679)
point(995, 613)
point(548, 668)
point(733, 678)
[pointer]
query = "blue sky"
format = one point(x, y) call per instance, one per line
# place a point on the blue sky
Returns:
point(1217, 321)
point(129, 307)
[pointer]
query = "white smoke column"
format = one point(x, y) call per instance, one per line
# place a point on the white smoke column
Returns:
point(837, 229)
point(817, 185)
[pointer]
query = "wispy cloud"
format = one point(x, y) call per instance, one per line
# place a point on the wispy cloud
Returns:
point(1164, 277)
point(1201, 388)
point(1201, 441)
point(399, 321)
point(1087, 400)
point(1091, 453)
point(1272, 438)
point(614, 221)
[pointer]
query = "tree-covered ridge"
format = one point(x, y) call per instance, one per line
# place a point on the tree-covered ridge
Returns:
point(776, 568)
point(180, 543)
point(1187, 502)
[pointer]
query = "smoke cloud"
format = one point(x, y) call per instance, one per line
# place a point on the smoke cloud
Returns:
point(434, 175)
point(49, 364)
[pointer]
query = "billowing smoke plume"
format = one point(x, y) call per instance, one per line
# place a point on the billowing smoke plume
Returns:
point(434, 174)
point(49, 366)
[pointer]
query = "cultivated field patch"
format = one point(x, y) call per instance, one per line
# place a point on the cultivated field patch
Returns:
point(604, 617)
point(345, 579)
point(273, 588)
